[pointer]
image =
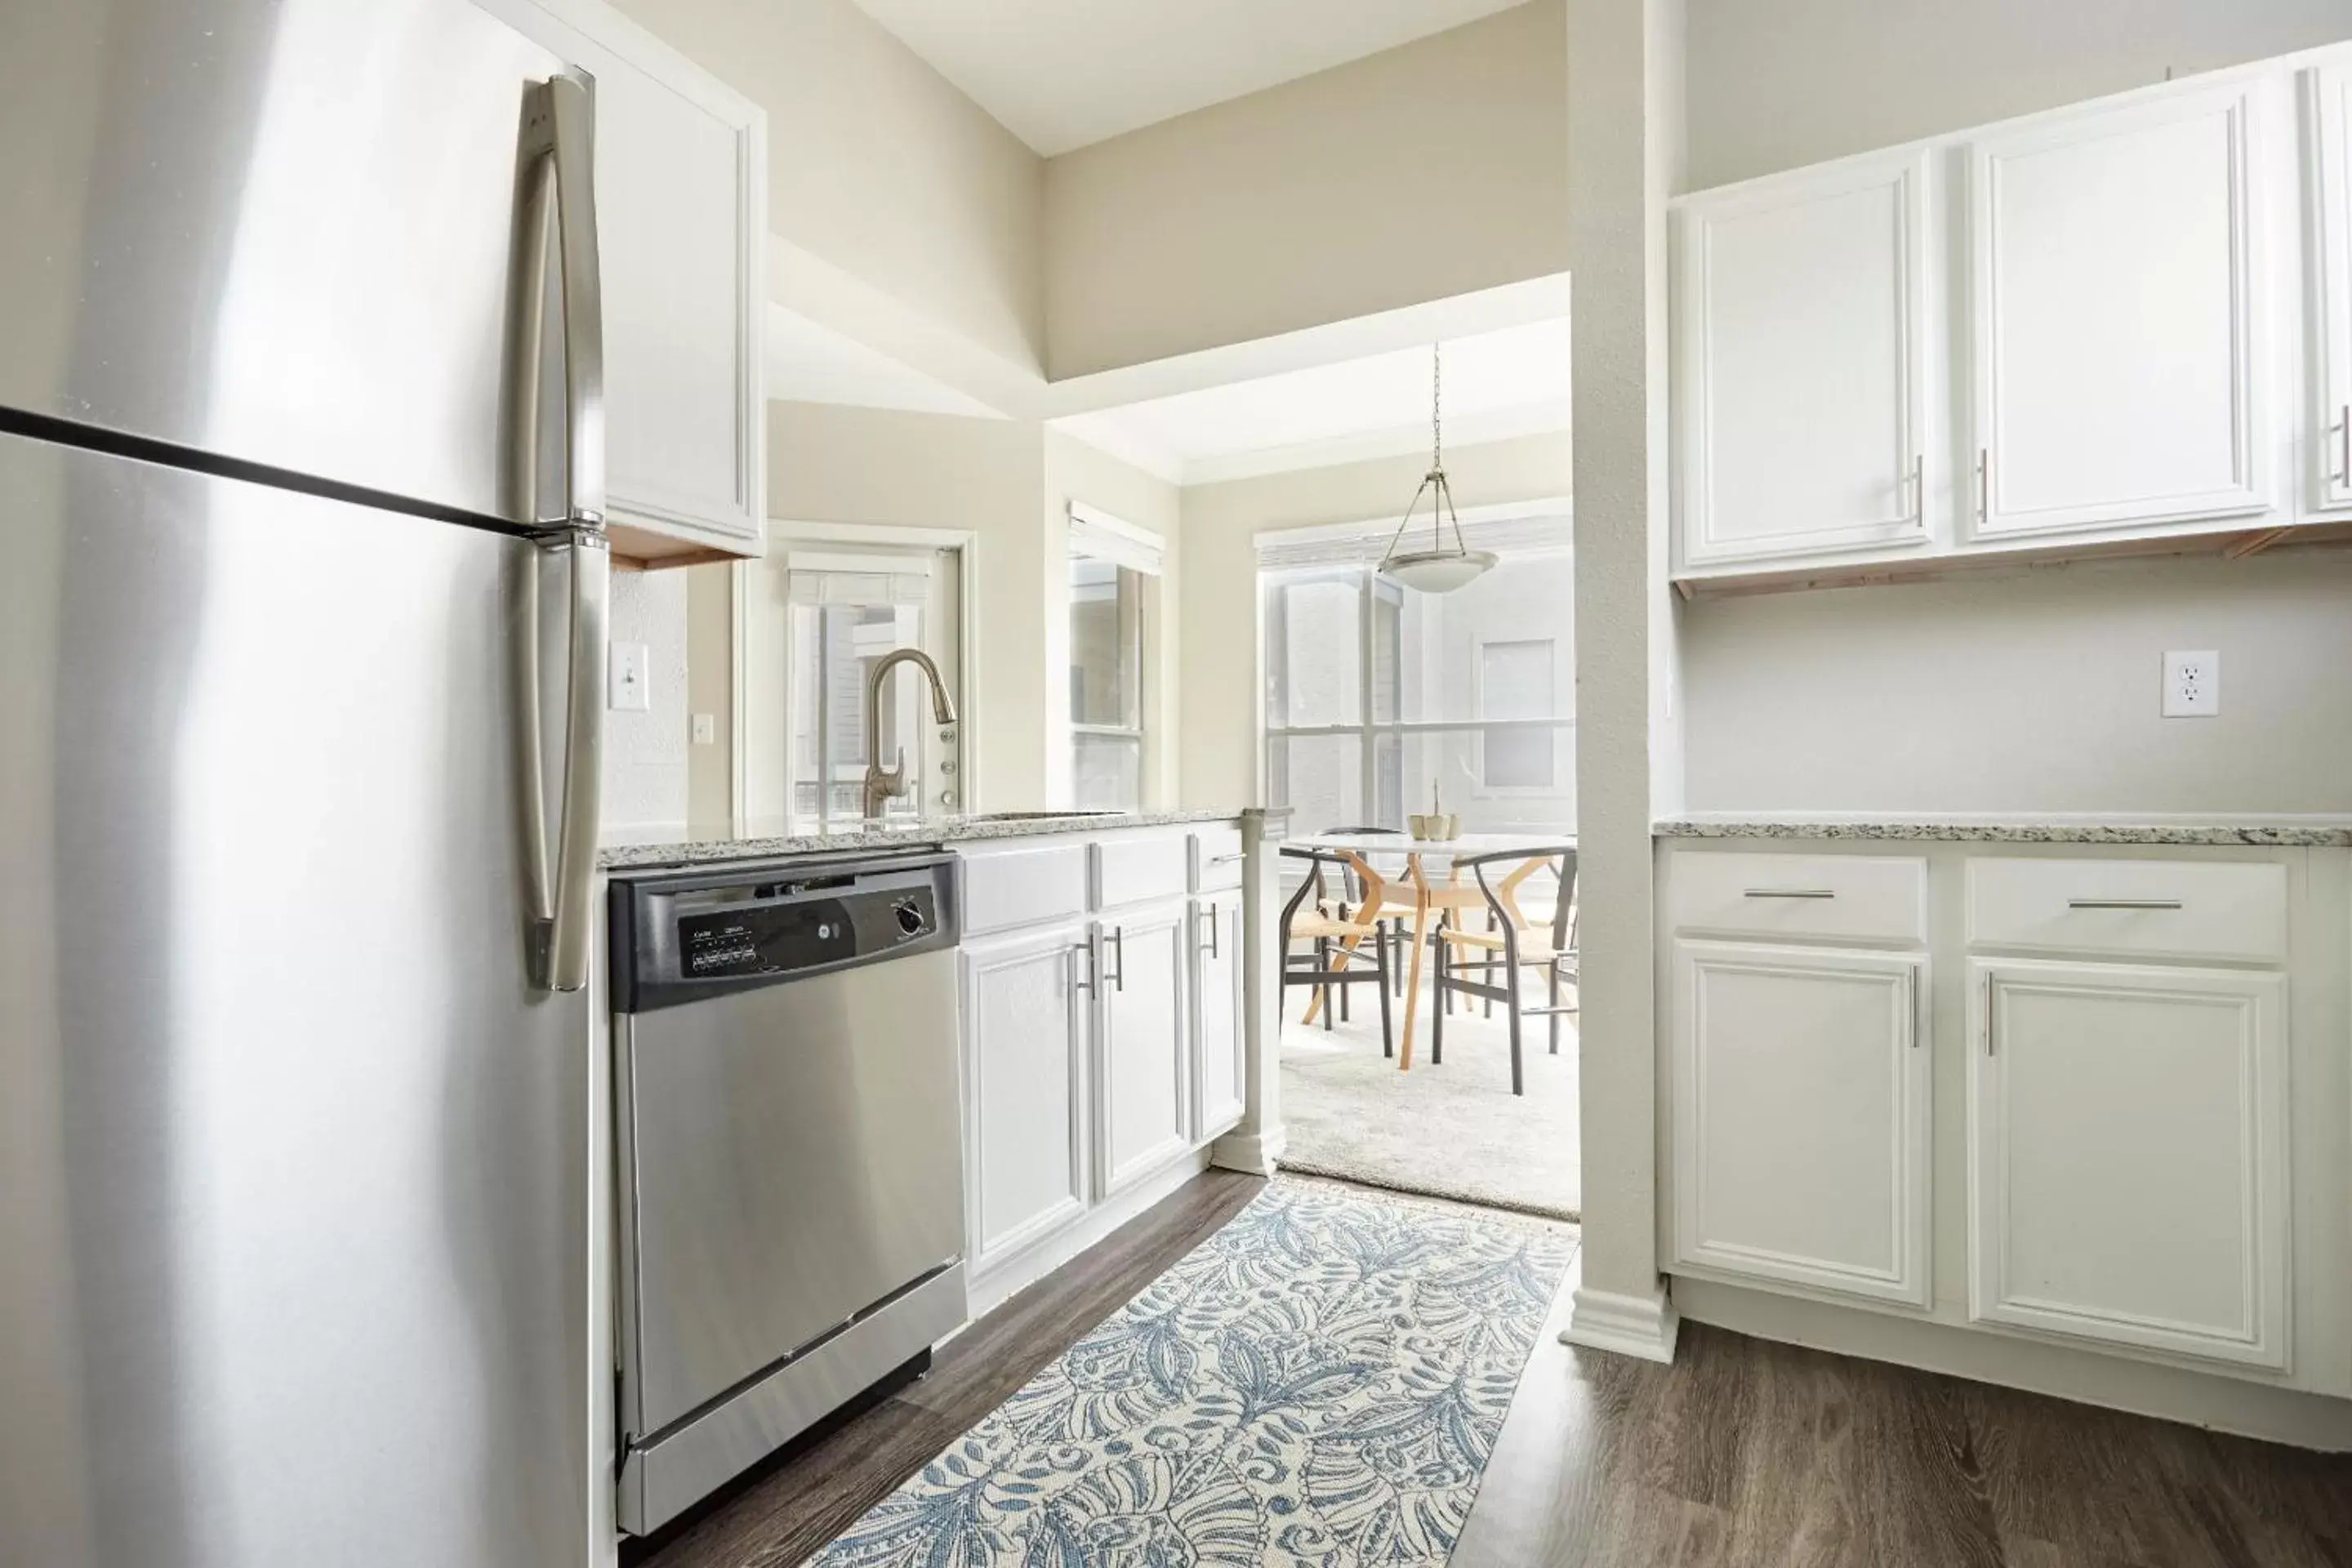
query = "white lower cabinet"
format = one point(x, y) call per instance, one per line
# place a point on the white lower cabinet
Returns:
point(1218, 1091)
point(1801, 1117)
point(1142, 1057)
point(2127, 1156)
point(1025, 1028)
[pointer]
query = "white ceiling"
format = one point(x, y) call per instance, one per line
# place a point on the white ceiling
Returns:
point(1061, 74)
point(1510, 382)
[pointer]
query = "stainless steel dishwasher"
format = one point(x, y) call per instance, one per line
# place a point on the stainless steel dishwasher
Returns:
point(789, 1153)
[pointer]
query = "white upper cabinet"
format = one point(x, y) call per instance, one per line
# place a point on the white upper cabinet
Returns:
point(2119, 317)
point(2327, 95)
point(681, 198)
point(1801, 355)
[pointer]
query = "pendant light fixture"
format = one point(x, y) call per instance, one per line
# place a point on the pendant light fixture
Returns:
point(1440, 568)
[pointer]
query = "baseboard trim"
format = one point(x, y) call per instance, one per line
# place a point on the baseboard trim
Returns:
point(1254, 1154)
point(1640, 1326)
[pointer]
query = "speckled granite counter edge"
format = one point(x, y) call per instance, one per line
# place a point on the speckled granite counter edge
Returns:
point(2273, 835)
point(944, 830)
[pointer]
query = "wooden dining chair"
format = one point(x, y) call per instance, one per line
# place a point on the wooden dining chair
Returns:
point(1330, 968)
point(1514, 945)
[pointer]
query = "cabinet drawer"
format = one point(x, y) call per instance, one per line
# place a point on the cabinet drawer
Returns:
point(1008, 887)
point(2159, 909)
point(1801, 897)
point(1132, 866)
point(1216, 859)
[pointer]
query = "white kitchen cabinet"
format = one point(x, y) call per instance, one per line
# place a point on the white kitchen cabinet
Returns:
point(681, 198)
point(1142, 1055)
point(1026, 1093)
point(2327, 92)
point(1216, 1015)
point(2120, 317)
point(1801, 320)
point(1801, 1118)
point(2128, 1156)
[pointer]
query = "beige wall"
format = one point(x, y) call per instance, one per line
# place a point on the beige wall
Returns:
point(1218, 697)
point(1779, 86)
point(710, 689)
point(878, 165)
point(1428, 171)
point(1077, 472)
point(2028, 694)
point(833, 464)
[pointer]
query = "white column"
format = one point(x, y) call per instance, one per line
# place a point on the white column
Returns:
point(1624, 68)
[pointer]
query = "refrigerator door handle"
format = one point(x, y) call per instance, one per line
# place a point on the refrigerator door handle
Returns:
point(560, 172)
point(558, 143)
point(583, 761)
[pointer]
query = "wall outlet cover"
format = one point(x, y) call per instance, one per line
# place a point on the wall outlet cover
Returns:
point(628, 687)
point(2192, 684)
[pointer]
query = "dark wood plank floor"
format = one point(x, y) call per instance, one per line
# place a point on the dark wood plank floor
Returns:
point(1742, 1453)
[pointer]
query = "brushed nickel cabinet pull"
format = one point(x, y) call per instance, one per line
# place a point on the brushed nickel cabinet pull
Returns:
point(2123, 904)
point(1790, 893)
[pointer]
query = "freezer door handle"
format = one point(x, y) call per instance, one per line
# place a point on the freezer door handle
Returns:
point(559, 150)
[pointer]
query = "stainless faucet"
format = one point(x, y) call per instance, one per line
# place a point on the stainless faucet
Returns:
point(882, 783)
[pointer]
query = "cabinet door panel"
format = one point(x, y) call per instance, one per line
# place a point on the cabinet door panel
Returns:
point(681, 199)
point(1801, 327)
point(1801, 1086)
point(2330, 449)
point(1217, 1037)
point(2128, 1143)
point(1024, 1087)
point(1142, 1059)
point(2118, 318)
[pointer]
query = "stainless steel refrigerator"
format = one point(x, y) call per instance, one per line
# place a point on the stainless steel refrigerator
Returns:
point(301, 650)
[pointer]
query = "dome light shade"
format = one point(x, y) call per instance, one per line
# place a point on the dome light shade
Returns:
point(1437, 570)
point(1440, 568)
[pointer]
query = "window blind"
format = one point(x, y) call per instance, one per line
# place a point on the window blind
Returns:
point(831, 578)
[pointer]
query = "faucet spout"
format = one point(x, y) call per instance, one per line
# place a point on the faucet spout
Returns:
point(882, 784)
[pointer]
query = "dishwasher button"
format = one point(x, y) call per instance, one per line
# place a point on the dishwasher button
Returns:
point(909, 915)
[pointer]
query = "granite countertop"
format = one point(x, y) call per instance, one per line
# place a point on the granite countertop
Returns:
point(2289, 833)
point(620, 854)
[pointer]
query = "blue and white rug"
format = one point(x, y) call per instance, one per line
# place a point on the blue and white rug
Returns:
point(1320, 1382)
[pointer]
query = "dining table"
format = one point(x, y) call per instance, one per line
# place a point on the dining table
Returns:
point(1422, 859)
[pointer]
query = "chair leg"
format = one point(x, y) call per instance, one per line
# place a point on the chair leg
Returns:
point(1490, 927)
point(1518, 1074)
point(1323, 962)
point(1395, 937)
point(1437, 1014)
point(1551, 974)
point(1345, 1014)
point(1388, 1040)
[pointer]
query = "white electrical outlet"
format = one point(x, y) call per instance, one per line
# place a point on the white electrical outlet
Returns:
point(2192, 685)
point(706, 729)
point(627, 689)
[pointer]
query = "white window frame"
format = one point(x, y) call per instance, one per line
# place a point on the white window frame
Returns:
point(1094, 535)
point(782, 535)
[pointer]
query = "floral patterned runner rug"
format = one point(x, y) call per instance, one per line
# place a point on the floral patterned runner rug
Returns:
point(1319, 1383)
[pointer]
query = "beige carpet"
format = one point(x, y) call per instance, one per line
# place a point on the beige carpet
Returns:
point(1451, 1130)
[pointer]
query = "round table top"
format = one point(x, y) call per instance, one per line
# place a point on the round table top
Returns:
point(1505, 841)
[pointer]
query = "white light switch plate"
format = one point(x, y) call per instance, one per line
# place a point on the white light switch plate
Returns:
point(626, 688)
point(706, 729)
point(2192, 684)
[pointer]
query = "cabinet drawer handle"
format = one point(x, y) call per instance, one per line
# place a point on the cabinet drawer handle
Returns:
point(1119, 953)
point(1984, 483)
point(1210, 947)
point(1224, 860)
point(1919, 489)
point(2123, 904)
point(1790, 893)
point(2342, 430)
point(1094, 964)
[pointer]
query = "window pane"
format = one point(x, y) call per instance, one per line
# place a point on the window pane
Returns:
point(1443, 675)
point(1106, 644)
point(833, 650)
point(1529, 781)
point(1108, 774)
point(1388, 632)
point(1315, 653)
point(1319, 777)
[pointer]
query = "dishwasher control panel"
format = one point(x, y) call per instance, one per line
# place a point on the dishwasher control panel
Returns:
point(680, 936)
